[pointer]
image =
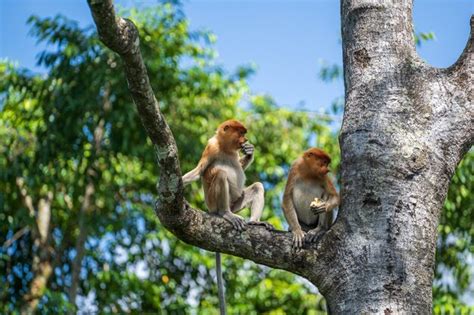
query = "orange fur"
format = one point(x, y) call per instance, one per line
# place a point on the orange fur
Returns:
point(222, 172)
point(307, 180)
point(221, 169)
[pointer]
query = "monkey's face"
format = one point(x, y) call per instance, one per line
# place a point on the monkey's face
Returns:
point(234, 137)
point(317, 165)
point(239, 138)
point(323, 167)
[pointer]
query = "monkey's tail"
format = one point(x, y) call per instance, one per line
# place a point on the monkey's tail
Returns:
point(220, 285)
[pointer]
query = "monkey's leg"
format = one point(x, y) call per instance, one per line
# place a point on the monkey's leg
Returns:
point(324, 223)
point(314, 234)
point(253, 197)
point(219, 193)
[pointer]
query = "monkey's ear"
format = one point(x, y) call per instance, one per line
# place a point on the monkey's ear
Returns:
point(226, 127)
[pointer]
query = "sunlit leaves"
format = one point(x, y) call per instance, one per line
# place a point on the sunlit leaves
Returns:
point(132, 263)
point(455, 249)
point(421, 37)
point(329, 73)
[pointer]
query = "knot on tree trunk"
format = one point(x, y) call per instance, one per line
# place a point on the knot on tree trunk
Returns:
point(362, 57)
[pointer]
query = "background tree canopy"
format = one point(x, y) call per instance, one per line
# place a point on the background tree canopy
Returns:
point(62, 143)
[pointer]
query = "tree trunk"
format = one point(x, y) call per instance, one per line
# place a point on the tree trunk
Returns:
point(42, 266)
point(406, 126)
point(403, 134)
point(80, 244)
point(87, 205)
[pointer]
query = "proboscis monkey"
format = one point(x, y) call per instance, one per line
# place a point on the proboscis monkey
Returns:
point(309, 197)
point(221, 169)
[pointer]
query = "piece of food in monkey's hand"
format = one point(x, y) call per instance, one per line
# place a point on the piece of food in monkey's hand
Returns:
point(317, 206)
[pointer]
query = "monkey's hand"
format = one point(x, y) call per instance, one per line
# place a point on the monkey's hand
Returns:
point(298, 237)
point(247, 149)
point(237, 221)
point(318, 206)
point(267, 225)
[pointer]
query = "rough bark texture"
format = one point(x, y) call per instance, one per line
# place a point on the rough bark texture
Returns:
point(406, 126)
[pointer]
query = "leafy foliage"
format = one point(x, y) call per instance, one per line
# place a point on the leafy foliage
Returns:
point(420, 37)
point(76, 127)
point(455, 250)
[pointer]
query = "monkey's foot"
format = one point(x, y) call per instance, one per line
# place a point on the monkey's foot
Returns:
point(267, 225)
point(313, 235)
point(237, 221)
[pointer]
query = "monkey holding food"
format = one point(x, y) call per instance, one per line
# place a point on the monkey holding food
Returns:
point(309, 197)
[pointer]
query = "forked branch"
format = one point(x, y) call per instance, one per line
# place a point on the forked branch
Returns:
point(464, 66)
point(271, 248)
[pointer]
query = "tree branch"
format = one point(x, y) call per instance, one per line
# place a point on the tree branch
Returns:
point(192, 226)
point(270, 248)
point(121, 36)
point(454, 116)
point(464, 66)
point(16, 236)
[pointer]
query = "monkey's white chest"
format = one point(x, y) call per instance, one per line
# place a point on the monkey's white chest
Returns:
point(303, 194)
point(235, 178)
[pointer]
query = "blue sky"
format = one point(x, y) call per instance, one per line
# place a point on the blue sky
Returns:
point(286, 40)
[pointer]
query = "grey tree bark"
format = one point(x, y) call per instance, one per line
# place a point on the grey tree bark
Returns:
point(406, 126)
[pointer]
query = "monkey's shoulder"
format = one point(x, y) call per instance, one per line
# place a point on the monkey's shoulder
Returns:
point(212, 147)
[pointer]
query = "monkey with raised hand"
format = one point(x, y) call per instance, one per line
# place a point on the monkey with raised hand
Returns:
point(309, 197)
point(221, 169)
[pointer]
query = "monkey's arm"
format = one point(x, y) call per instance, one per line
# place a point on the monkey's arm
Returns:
point(329, 201)
point(332, 195)
point(247, 158)
point(290, 212)
point(245, 161)
point(194, 175)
